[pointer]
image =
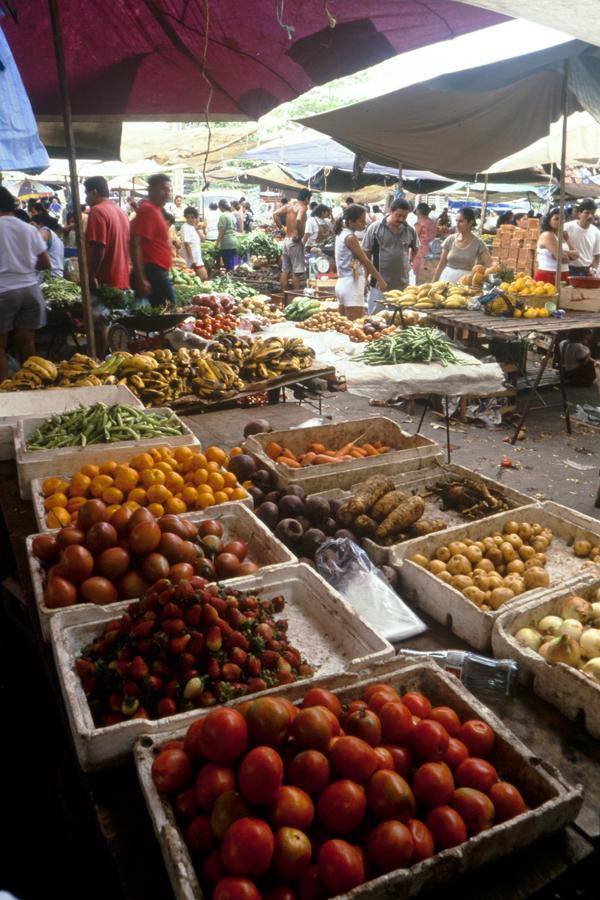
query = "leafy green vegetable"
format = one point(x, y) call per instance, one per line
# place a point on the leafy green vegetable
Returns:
point(415, 344)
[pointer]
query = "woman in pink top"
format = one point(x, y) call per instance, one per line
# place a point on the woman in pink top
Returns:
point(426, 230)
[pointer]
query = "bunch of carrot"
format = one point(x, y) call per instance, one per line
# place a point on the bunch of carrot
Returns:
point(319, 454)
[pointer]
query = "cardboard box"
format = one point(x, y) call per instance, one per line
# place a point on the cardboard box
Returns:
point(583, 299)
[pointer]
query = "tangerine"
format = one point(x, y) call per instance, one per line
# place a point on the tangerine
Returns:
point(90, 470)
point(216, 481)
point(157, 510)
point(215, 454)
point(205, 500)
point(158, 493)
point(175, 505)
point(141, 461)
point(58, 517)
point(138, 496)
point(108, 468)
point(152, 476)
point(99, 485)
point(112, 496)
point(126, 478)
point(221, 497)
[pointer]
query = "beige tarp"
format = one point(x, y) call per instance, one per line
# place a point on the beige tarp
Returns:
point(583, 145)
point(168, 146)
point(581, 18)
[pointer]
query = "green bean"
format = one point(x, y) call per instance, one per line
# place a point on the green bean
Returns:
point(414, 344)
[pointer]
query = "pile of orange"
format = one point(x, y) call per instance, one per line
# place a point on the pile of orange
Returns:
point(162, 479)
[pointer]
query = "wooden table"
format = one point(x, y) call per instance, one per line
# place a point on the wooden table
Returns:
point(117, 806)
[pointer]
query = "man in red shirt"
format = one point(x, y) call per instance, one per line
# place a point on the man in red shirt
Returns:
point(107, 251)
point(150, 245)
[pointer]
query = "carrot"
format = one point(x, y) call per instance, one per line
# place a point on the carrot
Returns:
point(286, 461)
point(343, 451)
point(360, 450)
point(307, 458)
point(273, 450)
point(371, 449)
point(319, 448)
point(356, 454)
point(323, 458)
point(289, 453)
point(384, 449)
point(377, 444)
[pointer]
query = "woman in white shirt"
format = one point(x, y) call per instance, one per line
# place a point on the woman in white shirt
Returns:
point(351, 262)
point(318, 226)
point(190, 243)
point(49, 231)
point(212, 219)
point(547, 249)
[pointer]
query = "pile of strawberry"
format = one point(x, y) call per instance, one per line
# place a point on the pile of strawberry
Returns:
point(280, 802)
point(186, 646)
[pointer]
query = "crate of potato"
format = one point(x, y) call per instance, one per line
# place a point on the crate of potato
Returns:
point(465, 576)
point(162, 479)
point(556, 641)
point(363, 821)
point(350, 448)
point(112, 563)
point(323, 629)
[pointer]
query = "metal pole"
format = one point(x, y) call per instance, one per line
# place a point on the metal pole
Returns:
point(484, 202)
point(561, 195)
point(84, 283)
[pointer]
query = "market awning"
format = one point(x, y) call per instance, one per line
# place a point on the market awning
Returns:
point(580, 19)
point(462, 123)
point(272, 176)
point(583, 146)
point(94, 140)
point(313, 151)
point(144, 58)
point(188, 146)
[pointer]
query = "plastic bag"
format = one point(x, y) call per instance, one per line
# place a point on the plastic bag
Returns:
point(349, 570)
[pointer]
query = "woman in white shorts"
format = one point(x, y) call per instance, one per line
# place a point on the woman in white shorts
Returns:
point(351, 262)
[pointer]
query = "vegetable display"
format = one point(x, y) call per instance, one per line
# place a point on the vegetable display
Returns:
point(413, 345)
point(378, 510)
point(439, 294)
point(301, 308)
point(318, 454)
point(473, 499)
point(369, 328)
point(310, 801)
point(102, 424)
point(161, 479)
point(187, 645)
point(59, 293)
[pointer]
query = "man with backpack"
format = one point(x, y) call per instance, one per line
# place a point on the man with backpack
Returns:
point(391, 243)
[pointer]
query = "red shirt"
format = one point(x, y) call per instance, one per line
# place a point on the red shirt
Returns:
point(150, 224)
point(108, 225)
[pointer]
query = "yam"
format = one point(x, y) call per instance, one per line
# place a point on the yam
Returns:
point(387, 504)
point(402, 517)
point(368, 494)
point(427, 526)
point(364, 525)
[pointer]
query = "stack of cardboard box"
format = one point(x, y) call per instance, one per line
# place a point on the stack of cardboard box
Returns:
point(514, 248)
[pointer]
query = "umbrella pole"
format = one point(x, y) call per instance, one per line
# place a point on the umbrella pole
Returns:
point(484, 202)
point(84, 282)
point(563, 160)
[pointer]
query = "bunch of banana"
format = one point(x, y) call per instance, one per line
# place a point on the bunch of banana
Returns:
point(71, 372)
point(432, 295)
point(139, 363)
point(215, 379)
point(35, 374)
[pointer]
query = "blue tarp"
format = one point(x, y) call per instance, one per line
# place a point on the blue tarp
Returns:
point(20, 146)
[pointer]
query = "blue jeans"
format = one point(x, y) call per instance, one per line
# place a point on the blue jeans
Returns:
point(228, 257)
point(161, 288)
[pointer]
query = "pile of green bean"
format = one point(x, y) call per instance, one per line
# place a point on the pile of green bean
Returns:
point(413, 345)
point(102, 424)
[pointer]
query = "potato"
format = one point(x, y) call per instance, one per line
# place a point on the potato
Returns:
point(515, 583)
point(443, 553)
point(460, 582)
point(536, 529)
point(511, 527)
point(485, 565)
point(496, 581)
point(481, 581)
point(419, 559)
point(536, 577)
point(501, 569)
point(533, 563)
point(548, 534)
point(541, 558)
point(445, 576)
point(475, 595)
point(500, 596)
point(481, 545)
point(525, 531)
point(459, 565)
point(515, 566)
point(515, 540)
point(508, 551)
point(457, 548)
point(582, 548)
point(488, 543)
point(526, 552)
point(436, 566)
point(495, 556)
point(474, 554)
point(539, 544)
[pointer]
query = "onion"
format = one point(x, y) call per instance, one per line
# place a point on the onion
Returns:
point(550, 625)
point(571, 627)
point(543, 651)
point(529, 637)
point(589, 642)
point(592, 668)
point(596, 612)
point(576, 608)
point(565, 650)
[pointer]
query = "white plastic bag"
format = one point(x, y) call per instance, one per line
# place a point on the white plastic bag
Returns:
point(349, 570)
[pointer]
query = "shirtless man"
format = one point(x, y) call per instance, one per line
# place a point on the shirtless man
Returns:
point(292, 258)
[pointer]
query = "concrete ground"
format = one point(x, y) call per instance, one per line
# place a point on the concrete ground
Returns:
point(549, 464)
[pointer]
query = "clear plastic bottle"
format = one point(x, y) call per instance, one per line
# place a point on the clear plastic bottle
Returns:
point(478, 673)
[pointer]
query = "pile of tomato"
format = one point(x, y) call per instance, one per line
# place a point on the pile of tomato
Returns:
point(208, 324)
point(302, 803)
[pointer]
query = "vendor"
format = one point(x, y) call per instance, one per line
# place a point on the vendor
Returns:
point(427, 231)
point(391, 244)
point(577, 359)
point(50, 232)
point(585, 238)
point(547, 249)
point(463, 250)
point(190, 243)
point(351, 262)
point(319, 226)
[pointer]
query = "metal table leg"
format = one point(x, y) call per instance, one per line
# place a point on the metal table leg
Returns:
point(423, 414)
point(533, 390)
point(563, 387)
point(447, 428)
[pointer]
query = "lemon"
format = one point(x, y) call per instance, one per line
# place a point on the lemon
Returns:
point(517, 313)
point(543, 312)
point(549, 289)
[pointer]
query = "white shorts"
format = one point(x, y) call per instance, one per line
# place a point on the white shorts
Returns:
point(350, 291)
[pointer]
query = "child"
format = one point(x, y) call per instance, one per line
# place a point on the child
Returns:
point(190, 240)
point(577, 359)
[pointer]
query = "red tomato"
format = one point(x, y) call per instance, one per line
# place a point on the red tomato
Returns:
point(171, 771)
point(385, 760)
point(199, 835)
point(98, 590)
point(342, 806)
point(341, 866)
point(212, 781)
point(191, 744)
point(224, 735)
point(390, 846)
point(447, 827)
point(185, 803)
point(213, 869)
point(476, 773)
point(78, 563)
point(446, 716)
point(380, 686)
point(429, 740)
point(248, 847)
point(279, 892)
point(312, 728)
point(261, 775)
point(380, 697)
point(389, 796)
point(418, 704)
point(455, 753)
point(396, 722)
point(235, 889)
point(475, 808)
point(59, 592)
point(322, 697)
point(292, 853)
point(507, 801)
point(422, 840)
point(310, 770)
point(227, 809)
point(310, 886)
point(478, 737)
point(403, 759)
point(352, 706)
point(293, 808)
point(268, 722)
point(353, 758)
point(365, 724)
point(433, 784)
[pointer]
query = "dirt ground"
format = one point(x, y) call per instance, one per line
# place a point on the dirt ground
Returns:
point(549, 464)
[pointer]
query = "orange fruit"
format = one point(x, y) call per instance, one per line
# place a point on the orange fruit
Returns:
point(239, 494)
point(108, 468)
point(198, 461)
point(99, 485)
point(229, 479)
point(74, 503)
point(164, 466)
point(90, 470)
point(58, 517)
point(52, 486)
point(215, 454)
point(80, 485)
point(174, 482)
point(200, 476)
point(205, 500)
point(228, 491)
point(158, 493)
point(189, 495)
point(175, 505)
point(182, 454)
point(216, 481)
point(221, 497)
point(131, 504)
point(213, 466)
point(112, 508)
point(189, 477)
point(138, 495)
point(235, 451)
point(166, 453)
point(58, 499)
point(126, 478)
point(204, 489)
point(152, 476)
point(112, 496)
point(142, 461)
point(157, 510)
point(155, 454)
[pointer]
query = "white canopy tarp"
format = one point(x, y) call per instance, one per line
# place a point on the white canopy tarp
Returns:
point(583, 146)
point(577, 17)
point(168, 146)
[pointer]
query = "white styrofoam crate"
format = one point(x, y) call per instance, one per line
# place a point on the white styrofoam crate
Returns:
point(239, 523)
point(412, 450)
point(448, 605)
point(324, 628)
point(15, 405)
point(40, 463)
point(576, 695)
point(552, 802)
